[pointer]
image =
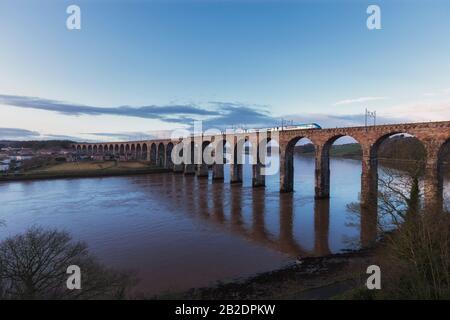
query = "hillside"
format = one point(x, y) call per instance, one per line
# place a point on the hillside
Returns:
point(397, 147)
point(37, 144)
point(351, 150)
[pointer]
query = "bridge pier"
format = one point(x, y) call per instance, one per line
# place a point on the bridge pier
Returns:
point(147, 156)
point(178, 168)
point(433, 185)
point(202, 170)
point(236, 173)
point(189, 169)
point(369, 197)
point(286, 169)
point(322, 172)
point(369, 178)
point(258, 179)
point(217, 172)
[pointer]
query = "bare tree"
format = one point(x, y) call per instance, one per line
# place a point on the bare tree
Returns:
point(415, 258)
point(399, 196)
point(33, 266)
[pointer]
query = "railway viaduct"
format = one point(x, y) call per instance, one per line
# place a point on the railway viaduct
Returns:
point(434, 137)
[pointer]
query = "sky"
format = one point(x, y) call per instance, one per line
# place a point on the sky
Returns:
point(138, 69)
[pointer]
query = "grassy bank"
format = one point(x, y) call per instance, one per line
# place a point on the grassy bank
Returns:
point(85, 169)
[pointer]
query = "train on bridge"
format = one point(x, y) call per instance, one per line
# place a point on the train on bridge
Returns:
point(304, 126)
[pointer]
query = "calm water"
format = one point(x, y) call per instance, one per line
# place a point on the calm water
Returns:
point(178, 232)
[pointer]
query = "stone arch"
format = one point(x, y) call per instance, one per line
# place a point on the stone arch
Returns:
point(95, 149)
point(249, 147)
point(205, 144)
point(116, 149)
point(138, 152)
point(236, 169)
point(89, 150)
point(78, 149)
point(272, 156)
point(153, 156)
point(133, 151)
point(223, 146)
point(202, 165)
point(287, 163)
point(192, 147)
point(144, 151)
point(217, 148)
point(239, 148)
point(127, 151)
point(169, 162)
point(330, 141)
point(374, 151)
point(379, 141)
point(122, 150)
point(218, 171)
point(189, 156)
point(100, 149)
point(323, 164)
point(161, 155)
point(412, 157)
point(177, 153)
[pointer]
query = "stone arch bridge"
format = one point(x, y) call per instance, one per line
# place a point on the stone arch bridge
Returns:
point(434, 136)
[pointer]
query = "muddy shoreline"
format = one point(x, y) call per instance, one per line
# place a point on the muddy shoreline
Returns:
point(307, 278)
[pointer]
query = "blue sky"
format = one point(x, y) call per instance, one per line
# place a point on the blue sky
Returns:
point(140, 67)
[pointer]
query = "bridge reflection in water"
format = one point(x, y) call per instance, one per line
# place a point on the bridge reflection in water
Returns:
point(160, 224)
point(262, 216)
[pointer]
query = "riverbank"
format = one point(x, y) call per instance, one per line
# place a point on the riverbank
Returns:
point(85, 170)
point(328, 277)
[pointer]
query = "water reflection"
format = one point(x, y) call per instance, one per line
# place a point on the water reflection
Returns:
point(163, 223)
point(321, 226)
point(242, 211)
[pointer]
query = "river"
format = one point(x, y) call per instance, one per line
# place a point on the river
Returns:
point(178, 232)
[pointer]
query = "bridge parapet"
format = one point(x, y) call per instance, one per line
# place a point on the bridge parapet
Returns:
point(433, 135)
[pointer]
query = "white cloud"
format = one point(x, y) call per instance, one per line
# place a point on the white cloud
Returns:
point(358, 100)
point(421, 111)
point(442, 92)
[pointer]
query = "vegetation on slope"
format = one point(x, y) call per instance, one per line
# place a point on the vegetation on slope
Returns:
point(37, 144)
point(397, 147)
